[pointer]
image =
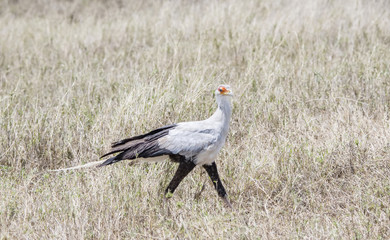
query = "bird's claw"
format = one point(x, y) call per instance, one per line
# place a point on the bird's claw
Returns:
point(227, 202)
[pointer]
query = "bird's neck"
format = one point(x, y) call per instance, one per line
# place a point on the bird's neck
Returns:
point(224, 111)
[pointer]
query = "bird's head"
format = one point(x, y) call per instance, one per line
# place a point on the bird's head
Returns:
point(224, 90)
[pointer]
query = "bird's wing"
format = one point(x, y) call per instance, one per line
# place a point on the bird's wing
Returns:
point(139, 141)
point(142, 146)
point(189, 138)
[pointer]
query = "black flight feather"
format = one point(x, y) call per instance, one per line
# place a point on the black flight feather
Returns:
point(145, 146)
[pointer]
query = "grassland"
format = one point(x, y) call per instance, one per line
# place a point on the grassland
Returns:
point(308, 154)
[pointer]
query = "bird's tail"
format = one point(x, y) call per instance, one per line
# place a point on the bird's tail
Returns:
point(87, 165)
point(108, 161)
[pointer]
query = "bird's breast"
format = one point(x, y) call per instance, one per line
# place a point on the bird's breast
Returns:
point(209, 154)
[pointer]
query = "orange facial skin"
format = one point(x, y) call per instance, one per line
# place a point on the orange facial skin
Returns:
point(223, 90)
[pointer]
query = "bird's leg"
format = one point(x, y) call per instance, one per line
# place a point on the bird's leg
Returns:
point(197, 195)
point(213, 173)
point(182, 171)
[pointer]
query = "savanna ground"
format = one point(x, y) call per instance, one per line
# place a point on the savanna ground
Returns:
point(308, 153)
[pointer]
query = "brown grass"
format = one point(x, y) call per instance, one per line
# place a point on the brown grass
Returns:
point(308, 154)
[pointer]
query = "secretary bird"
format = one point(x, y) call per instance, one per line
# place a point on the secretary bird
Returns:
point(188, 143)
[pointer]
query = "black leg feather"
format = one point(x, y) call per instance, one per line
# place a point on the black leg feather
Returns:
point(213, 173)
point(182, 171)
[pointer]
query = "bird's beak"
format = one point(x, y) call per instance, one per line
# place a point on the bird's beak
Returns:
point(227, 92)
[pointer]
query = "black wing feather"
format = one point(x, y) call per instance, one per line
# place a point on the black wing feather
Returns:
point(151, 133)
point(139, 146)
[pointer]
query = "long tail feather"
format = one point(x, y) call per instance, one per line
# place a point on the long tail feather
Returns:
point(87, 165)
point(109, 161)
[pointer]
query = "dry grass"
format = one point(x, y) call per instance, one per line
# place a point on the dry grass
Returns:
point(308, 155)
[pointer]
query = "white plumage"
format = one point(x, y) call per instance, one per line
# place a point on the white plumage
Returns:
point(188, 143)
point(202, 140)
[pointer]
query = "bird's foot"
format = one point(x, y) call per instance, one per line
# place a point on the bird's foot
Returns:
point(227, 202)
point(166, 205)
point(197, 195)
